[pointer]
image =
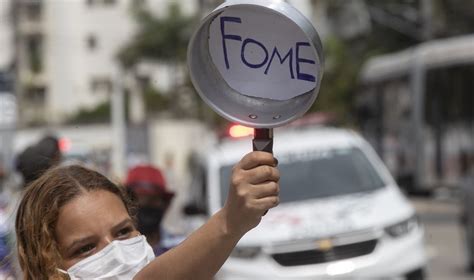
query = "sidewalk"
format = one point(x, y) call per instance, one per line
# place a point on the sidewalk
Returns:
point(444, 238)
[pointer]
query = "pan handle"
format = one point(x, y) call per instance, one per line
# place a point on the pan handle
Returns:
point(263, 141)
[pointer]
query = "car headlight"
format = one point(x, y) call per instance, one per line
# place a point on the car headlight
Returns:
point(402, 228)
point(245, 252)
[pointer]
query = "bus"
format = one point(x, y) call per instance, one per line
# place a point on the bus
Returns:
point(416, 107)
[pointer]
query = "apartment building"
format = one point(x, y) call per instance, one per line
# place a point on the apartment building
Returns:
point(66, 52)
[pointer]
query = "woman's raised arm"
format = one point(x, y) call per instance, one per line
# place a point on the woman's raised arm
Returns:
point(253, 190)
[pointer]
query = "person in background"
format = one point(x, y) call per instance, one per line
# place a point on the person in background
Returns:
point(31, 164)
point(38, 158)
point(148, 188)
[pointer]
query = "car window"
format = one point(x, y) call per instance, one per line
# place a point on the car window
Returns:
point(320, 173)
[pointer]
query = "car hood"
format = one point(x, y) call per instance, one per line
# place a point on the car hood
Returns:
point(326, 217)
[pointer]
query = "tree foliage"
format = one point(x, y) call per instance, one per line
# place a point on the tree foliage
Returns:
point(100, 113)
point(340, 77)
point(163, 39)
point(166, 40)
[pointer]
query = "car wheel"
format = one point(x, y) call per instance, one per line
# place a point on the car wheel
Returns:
point(418, 274)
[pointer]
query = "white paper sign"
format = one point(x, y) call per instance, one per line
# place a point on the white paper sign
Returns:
point(261, 53)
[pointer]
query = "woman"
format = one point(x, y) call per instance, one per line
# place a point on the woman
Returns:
point(73, 222)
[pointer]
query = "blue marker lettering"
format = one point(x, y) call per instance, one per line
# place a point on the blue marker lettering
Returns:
point(242, 53)
point(228, 36)
point(303, 76)
point(282, 60)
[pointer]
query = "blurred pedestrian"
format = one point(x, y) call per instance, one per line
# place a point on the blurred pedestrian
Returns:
point(31, 164)
point(148, 187)
point(38, 158)
point(75, 222)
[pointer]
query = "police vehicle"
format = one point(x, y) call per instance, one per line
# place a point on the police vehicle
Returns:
point(341, 213)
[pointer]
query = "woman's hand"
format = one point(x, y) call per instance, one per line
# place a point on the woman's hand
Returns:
point(253, 190)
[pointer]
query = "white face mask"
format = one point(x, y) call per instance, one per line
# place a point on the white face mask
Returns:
point(121, 259)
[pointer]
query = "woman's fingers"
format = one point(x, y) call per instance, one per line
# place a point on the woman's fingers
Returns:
point(265, 190)
point(263, 204)
point(254, 159)
point(262, 174)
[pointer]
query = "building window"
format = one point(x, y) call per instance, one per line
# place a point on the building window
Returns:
point(139, 3)
point(6, 82)
point(91, 42)
point(36, 95)
point(92, 3)
point(101, 85)
point(34, 48)
point(33, 10)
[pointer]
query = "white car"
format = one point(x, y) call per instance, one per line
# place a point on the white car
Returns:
point(341, 213)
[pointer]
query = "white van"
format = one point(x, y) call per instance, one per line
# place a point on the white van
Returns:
point(341, 213)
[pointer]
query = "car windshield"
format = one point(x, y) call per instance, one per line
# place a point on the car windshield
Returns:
point(319, 173)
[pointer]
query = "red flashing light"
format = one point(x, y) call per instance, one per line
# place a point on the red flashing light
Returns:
point(238, 130)
point(64, 144)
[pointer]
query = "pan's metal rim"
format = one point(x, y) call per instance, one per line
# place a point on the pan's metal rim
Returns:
point(289, 12)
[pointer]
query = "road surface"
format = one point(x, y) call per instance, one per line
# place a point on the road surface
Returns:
point(444, 238)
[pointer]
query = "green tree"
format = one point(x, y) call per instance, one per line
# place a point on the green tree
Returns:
point(100, 113)
point(163, 39)
point(339, 80)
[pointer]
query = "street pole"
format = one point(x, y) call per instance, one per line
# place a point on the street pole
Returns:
point(118, 125)
point(8, 117)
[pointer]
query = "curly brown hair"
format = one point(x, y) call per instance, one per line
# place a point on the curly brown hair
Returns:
point(38, 212)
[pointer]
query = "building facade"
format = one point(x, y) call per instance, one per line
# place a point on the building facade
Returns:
point(66, 53)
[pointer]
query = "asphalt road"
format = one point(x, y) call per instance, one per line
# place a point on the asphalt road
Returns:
point(444, 238)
